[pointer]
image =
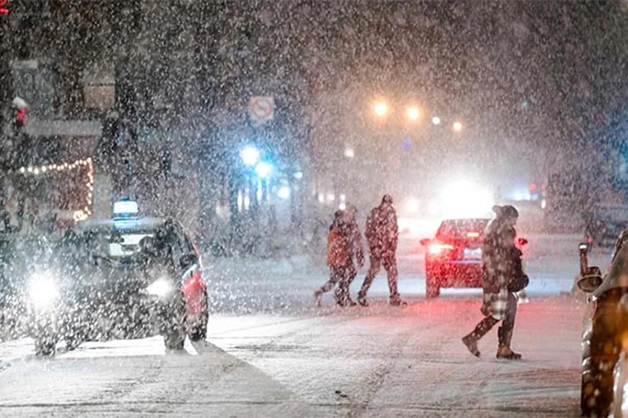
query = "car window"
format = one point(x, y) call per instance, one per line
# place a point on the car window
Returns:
point(461, 228)
point(110, 244)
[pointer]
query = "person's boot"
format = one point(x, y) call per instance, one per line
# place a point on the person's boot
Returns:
point(471, 340)
point(504, 351)
point(396, 301)
point(362, 299)
point(341, 299)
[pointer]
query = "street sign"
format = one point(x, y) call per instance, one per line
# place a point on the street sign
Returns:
point(261, 109)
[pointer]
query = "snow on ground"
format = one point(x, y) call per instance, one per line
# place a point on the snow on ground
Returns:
point(270, 352)
point(380, 361)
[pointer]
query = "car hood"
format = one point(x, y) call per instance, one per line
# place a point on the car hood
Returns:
point(617, 276)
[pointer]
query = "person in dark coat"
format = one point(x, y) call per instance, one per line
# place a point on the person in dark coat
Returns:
point(382, 234)
point(501, 264)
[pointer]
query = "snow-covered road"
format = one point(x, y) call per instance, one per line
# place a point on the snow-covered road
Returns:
point(375, 362)
point(270, 353)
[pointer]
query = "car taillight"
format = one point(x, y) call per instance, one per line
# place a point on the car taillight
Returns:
point(436, 249)
point(473, 234)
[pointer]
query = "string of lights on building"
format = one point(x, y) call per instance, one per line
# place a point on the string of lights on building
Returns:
point(86, 211)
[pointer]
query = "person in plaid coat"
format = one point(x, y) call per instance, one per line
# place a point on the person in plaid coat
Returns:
point(501, 262)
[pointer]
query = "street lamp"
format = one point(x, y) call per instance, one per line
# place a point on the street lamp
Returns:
point(250, 156)
point(436, 120)
point(413, 113)
point(349, 152)
point(381, 108)
point(263, 169)
point(457, 126)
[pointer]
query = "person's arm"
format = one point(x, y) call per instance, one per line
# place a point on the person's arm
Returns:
point(394, 230)
point(357, 245)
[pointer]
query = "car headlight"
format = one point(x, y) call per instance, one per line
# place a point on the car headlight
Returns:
point(160, 287)
point(42, 290)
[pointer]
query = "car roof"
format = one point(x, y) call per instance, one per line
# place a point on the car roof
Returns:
point(128, 224)
point(460, 220)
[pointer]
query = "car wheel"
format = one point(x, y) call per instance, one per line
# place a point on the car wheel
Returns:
point(174, 330)
point(432, 287)
point(199, 330)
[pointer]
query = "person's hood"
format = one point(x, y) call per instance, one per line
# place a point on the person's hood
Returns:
point(19, 103)
point(617, 276)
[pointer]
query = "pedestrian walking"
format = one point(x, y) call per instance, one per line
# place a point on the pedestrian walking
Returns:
point(338, 260)
point(502, 276)
point(382, 234)
point(356, 254)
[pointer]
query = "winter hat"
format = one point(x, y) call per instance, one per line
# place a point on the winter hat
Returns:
point(19, 103)
point(506, 211)
point(387, 199)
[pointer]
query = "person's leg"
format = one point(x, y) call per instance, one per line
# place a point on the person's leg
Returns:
point(334, 276)
point(504, 333)
point(342, 290)
point(368, 280)
point(471, 339)
point(390, 264)
point(344, 287)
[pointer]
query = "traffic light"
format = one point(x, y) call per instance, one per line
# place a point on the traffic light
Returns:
point(20, 109)
point(4, 7)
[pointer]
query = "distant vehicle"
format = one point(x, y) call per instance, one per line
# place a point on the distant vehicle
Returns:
point(605, 331)
point(605, 224)
point(454, 256)
point(127, 277)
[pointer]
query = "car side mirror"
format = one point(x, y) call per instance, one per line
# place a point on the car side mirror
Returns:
point(425, 242)
point(187, 260)
point(522, 242)
point(591, 281)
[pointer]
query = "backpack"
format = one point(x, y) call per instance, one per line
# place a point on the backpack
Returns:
point(337, 248)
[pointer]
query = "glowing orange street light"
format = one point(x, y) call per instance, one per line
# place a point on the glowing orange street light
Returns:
point(381, 109)
point(413, 113)
point(457, 126)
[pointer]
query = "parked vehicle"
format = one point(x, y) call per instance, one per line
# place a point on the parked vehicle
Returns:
point(605, 332)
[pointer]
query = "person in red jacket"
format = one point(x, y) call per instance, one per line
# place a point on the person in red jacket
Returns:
point(338, 259)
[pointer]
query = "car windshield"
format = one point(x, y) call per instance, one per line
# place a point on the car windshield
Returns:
point(462, 229)
point(109, 244)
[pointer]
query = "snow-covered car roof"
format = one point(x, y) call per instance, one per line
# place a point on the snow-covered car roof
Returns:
point(147, 223)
